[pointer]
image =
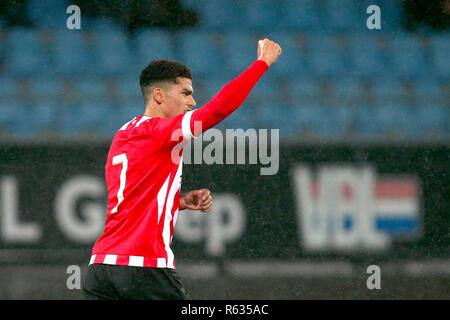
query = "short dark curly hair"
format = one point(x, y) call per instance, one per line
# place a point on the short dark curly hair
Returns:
point(162, 71)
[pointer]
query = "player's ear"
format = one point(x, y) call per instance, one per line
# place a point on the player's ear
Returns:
point(158, 95)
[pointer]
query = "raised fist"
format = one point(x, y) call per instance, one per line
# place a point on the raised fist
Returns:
point(268, 51)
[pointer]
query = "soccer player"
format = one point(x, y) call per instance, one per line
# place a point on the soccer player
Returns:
point(133, 259)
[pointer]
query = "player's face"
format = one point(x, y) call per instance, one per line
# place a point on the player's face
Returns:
point(178, 97)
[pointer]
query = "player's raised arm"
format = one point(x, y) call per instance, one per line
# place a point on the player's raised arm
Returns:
point(235, 92)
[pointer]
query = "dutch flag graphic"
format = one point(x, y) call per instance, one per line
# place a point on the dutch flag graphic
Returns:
point(396, 206)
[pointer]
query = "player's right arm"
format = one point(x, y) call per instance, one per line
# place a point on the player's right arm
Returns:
point(172, 131)
point(235, 92)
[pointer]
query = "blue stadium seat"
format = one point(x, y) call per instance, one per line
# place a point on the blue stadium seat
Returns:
point(26, 130)
point(366, 122)
point(305, 90)
point(200, 53)
point(322, 121)
point(326, 57)
point(340, 120)
point(266, 90)
point(127, 111)
point(407, 57)
point(308, 118)
point(13, 121)
point(2, 43)
point(300, 15)
point(428, 90)
point(440, 47)
point(260, 15)
point(392, 15)
point(9, 90)
point(26, 54)
point(130, 90)
point(116, 116)
point(102, 119)
point(91, 91)
point(101, 24)
point(84, 118)
point(347, 91)
point(240, 51)
point(433, 118)
point(70, 123)
point(113, 53)
point(293, 62)
point(387, 90)
point(45, 116)
point(341, 15)
point(49, 14)
point(92, 114)
point(211, 86)
point(72, 55)
point(385, 121)
point(217, 15)
point(336, 123)
point(10, 115)
point(243, 118)
point(277, 116)
point(367, 59)
point(153, 44)
point(47, 89)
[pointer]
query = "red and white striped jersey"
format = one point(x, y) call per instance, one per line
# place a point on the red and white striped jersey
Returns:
point(143, 178)
point(143, 175)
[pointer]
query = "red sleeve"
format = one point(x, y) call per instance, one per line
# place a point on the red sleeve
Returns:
point(228, 99)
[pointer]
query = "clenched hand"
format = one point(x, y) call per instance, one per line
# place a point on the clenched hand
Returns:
point(197, 200)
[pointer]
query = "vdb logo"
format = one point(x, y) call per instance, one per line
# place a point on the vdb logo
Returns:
point(347, 208)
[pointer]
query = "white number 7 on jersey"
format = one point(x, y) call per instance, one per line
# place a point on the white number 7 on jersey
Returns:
point(121, 158)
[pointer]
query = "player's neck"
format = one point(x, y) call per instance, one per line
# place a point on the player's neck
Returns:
point(151, 111)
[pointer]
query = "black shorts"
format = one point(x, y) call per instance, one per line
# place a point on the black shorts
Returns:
point(111, 282)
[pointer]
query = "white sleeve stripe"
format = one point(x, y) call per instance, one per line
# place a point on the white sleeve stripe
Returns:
point(186, 126)
point(144, 118)
point(126, 124)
